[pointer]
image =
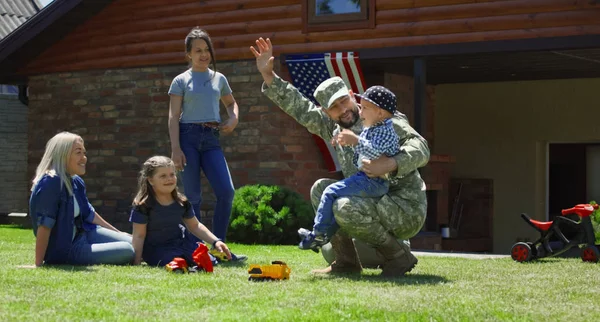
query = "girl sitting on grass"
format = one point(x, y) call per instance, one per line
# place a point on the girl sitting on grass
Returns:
point(159, 211)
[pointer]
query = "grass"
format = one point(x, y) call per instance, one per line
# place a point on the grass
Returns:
point(438, 289)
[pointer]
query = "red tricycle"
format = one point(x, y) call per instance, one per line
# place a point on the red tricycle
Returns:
point(200, 257)
point(584, 236)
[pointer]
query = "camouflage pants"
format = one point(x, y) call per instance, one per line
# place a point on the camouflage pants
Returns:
point(370, 219)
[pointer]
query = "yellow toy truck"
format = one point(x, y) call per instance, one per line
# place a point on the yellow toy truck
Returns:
point(221, 256)
point(278, 270)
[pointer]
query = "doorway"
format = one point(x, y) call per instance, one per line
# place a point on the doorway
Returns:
point(573, 176)
point(566, 176)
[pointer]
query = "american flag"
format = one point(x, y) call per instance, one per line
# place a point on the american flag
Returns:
point(308, 71)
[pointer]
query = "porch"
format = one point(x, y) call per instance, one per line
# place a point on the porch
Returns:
point(472, 101)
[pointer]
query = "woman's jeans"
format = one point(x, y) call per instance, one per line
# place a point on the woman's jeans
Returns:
point(202, 151)
point(101, 246)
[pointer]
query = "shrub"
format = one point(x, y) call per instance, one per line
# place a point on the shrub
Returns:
point(264, 214)
point(596, 222)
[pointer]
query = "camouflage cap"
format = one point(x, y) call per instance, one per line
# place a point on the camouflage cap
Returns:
point(330, 90)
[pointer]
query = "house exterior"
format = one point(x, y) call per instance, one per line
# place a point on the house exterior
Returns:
point(492, 85)
point(13, 117)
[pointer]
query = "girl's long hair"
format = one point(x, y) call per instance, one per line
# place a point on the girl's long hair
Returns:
point(54, 161)
point(145, 197)
point(198, 33)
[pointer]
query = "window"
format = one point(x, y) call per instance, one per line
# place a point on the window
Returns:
point(9, 90)
point(326, 15)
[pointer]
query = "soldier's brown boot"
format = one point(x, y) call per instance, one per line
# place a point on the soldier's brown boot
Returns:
point(398, 258)
point(346, 258)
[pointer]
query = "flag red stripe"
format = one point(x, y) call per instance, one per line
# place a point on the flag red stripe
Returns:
point(349, 72)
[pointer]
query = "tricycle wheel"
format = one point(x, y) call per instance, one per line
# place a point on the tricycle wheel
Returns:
point(590, 254)
point(521, 252)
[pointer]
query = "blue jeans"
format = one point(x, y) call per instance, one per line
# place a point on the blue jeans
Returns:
point(101, 246)
point(359, 185)
point(202, 151)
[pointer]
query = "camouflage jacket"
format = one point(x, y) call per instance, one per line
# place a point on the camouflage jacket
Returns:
point(414, 152)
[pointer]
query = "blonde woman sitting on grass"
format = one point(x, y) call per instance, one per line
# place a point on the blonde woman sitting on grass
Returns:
point(67, 228)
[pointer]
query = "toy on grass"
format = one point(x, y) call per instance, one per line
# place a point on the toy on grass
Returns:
point(278, 270)
point(221, 256)
point(200, 257)
point(177, 265)
point(584, 237)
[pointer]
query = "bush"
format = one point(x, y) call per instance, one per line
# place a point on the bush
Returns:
point(596, 222)
point(264, 214)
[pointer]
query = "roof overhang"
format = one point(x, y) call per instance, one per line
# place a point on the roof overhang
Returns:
point(40, 32)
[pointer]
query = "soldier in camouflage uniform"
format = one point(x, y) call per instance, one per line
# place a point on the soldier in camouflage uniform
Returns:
point(400, 214)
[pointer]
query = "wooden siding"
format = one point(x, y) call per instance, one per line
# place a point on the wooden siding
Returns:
point(132, 33)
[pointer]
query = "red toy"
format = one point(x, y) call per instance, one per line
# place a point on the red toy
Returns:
point(200, 257)
point(177, 265)
point(523, 252)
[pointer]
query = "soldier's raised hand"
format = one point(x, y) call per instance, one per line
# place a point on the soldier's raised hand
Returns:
point(264, 56)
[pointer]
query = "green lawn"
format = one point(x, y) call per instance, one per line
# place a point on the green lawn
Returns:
point(438, 289)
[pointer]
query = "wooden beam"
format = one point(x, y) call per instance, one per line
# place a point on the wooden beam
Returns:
point(420, 88)
point(264, 27)
point(523, 21)
point(505, 22)
point(491, 46)
point(401, 4)
point(472, 42)
point(426, 29)
point(118, 13)
point(189, 21)
point(483, 9)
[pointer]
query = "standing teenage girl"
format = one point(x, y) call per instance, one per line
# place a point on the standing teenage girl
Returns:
point(195, 126)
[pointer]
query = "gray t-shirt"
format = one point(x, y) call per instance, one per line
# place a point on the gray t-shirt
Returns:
point(162, 223)
point(201, 94)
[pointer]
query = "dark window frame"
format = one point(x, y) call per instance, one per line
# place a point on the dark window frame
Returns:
point(343, 21)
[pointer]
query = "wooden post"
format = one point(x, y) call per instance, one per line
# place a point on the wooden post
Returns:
point(420, 79)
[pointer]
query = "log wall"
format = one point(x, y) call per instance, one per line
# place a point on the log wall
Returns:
point(130, 33)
